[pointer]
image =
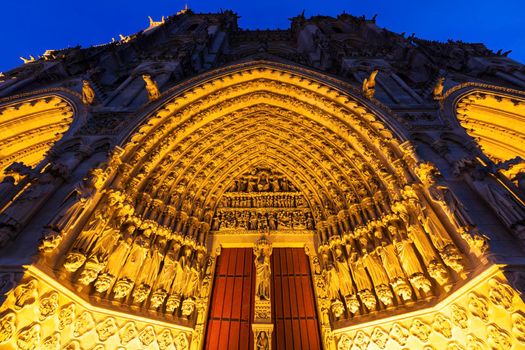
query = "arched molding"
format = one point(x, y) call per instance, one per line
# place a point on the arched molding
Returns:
point(302, 74)
point(493, 116)
point(259, 84)
point(32, 123)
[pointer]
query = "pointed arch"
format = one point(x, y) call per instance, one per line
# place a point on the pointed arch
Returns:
point(493, 116)
point(31, 124)
point(297, 115)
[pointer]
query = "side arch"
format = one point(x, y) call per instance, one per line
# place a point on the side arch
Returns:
point(493, 116)
point(32, 123)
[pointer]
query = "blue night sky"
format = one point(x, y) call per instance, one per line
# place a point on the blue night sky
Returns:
point(32, 26)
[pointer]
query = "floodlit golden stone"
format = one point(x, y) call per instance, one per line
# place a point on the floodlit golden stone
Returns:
point(136, 206)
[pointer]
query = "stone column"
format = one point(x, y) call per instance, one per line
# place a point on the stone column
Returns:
point(262, 324)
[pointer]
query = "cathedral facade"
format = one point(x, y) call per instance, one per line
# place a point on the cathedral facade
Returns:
point(330, 186)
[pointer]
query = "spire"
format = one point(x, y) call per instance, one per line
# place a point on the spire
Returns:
point(184, 10)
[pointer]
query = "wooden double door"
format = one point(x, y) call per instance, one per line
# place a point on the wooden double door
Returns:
point(293, 305)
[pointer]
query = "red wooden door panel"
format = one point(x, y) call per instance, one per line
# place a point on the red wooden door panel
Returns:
point(231, 308)
point(293, 305)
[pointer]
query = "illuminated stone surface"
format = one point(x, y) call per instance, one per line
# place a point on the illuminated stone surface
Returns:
point(392, 166)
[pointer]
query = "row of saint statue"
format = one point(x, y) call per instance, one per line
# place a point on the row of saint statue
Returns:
point(391, 262)
point(133, 262)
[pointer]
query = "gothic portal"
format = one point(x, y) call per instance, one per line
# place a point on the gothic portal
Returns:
point(331, 186)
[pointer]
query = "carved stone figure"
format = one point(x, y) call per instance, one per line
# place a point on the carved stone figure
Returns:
point(169, 268)
point(408, 258)
point(262, 341)
point(438, 89)
point(452, 206)
point(369, 85)
point(150, 269)
point(394, 271)
point(373, 264)
point(151, 87)
point(72, 208)
point(17, 213)
point(136, 257)
point(344, 280)
point(88, 94)
point(504, 204)
point(262, 266)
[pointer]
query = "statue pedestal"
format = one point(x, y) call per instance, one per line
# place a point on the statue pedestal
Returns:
point(262, 333)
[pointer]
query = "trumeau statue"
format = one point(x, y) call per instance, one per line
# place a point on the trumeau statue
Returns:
point(263, 270)
point(270, 191)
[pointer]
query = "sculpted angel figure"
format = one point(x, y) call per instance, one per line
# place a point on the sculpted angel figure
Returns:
point(369, 84)
point(151, 87)
point(88, 94)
